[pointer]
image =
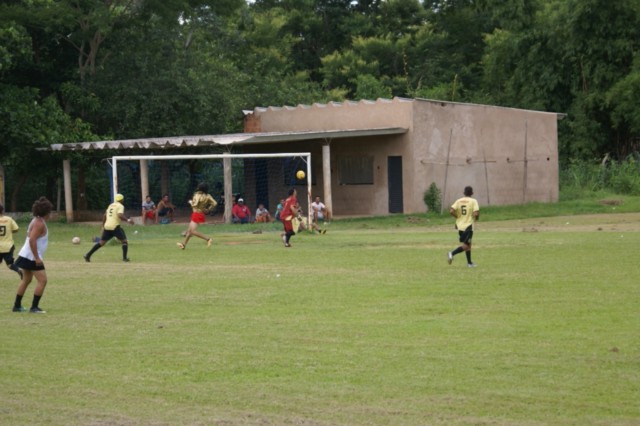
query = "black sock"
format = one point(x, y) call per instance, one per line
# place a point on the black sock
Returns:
point(36, 301)
point(18, 301)
point(125, 249)
point(457, 251)
point(468, 253)
point(93, 249)
point(14, 268)
point(289, 235)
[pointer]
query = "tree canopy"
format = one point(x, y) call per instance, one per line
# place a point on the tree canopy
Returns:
point(100, 69)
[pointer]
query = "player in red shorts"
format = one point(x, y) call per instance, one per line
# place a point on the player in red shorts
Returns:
point(201, 203)
point(289, 211)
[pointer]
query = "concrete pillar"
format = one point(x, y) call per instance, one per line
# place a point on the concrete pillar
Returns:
point(144, 179)
point(326, 175)
point(228, 189)
point(68, 195)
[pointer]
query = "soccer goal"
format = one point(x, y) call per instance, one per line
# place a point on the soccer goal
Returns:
point(256, 178)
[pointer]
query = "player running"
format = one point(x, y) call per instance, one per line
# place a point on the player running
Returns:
point(466, 211)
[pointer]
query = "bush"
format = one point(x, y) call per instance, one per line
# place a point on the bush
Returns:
point(584, 179)
point(433, 198)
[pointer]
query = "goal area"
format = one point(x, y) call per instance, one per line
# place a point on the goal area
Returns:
point(256, 178)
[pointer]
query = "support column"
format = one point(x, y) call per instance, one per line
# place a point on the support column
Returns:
point(144, 179)
point(68, 195)
point(228, 189)
point(326, 175)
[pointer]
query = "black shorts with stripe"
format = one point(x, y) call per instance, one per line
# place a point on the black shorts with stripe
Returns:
point(466, 235)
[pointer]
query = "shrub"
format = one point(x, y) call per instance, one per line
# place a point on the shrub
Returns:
point(433, 198)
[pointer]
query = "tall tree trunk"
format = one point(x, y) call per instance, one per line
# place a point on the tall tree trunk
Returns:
point(81, 201)
point(16, 190)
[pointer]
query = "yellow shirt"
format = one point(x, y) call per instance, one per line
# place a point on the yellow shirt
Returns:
point(202, 203)
point(113, 216)
point(465, 207)
point(7, 227)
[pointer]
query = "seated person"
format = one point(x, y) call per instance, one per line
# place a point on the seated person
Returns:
point(304, 224)
point(279, 210)
point(240, 212)
point(165, 210)
point(148, 210)
point(319, 210)
point(262, 214)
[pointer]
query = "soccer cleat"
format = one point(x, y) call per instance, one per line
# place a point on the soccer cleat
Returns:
point(126, 259)
point(209, 242)
point(449, 258)
point(19, 309)
point(87, 258)
point(287, 245)
point(37, 311)
point(471, 265)
point(180, 246)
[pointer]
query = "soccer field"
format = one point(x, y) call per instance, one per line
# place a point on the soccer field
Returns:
point(356, 327)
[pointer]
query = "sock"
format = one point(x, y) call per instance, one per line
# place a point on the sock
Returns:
point(18, 301)
point(14, 268)
point(36, 301)
point(457, 251)
point(93, 249)
point(125, 249)
point(468, 253)
point(289, 235)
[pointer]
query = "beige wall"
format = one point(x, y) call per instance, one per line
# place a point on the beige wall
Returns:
point(451, 144)
point(484, 146)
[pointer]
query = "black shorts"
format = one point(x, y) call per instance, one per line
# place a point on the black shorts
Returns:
point(466, 235)
point(118, 233)
point(7, 257)
point(28, 265)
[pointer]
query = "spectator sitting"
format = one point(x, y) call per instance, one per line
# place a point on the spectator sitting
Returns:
point(320, 211)
point(279, 210)
point(148, 210)
point(240, 212)
point(262, 214)
point(165, 210)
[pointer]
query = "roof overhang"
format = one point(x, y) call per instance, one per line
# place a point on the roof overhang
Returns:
point(226, 140)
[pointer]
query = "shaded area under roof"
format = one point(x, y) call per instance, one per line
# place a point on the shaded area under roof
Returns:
point(225, 140)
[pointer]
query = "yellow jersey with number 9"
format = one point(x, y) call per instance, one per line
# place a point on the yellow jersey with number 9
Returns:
point(465, 207)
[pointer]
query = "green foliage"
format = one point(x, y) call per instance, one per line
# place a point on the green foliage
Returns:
point(433, 198)
point(579, 179)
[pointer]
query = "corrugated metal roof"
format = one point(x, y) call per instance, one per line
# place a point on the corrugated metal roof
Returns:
point(225, 140)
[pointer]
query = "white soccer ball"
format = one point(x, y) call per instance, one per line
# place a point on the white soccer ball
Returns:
point(75, 240)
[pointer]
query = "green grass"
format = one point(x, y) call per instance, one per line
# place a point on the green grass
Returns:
point(366, 325)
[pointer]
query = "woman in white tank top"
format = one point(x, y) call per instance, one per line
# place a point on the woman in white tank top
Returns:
point(30, 257)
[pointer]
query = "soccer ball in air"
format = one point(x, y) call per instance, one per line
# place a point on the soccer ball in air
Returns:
point(75, 240)
point(300, 175)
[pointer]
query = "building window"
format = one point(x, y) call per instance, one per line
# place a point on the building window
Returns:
point(355, 170)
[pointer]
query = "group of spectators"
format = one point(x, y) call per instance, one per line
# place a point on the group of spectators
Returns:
point(164, 211)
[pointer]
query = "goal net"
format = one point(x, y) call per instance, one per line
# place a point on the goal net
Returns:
point(256, 178)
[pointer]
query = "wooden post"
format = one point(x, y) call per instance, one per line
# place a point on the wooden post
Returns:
point(446, 172)
point(68, 194)
point(326, 175)
point(228, 189)
point(144, 179)
point(524, 183)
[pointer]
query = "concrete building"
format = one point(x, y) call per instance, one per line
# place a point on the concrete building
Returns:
point(379, 157)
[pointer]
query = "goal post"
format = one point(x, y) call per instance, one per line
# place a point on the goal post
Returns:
point(260, 178)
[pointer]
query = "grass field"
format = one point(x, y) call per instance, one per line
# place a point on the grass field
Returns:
point(366, 325)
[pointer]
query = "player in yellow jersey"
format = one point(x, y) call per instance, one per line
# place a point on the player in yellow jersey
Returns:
point(201, 204)
point(8, 227)
point(466, 211)
point(113, 216)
